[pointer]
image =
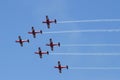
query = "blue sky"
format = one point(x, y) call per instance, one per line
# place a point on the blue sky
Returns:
point(20, 63)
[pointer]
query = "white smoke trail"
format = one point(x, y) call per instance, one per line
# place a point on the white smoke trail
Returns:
point(101, 68)
point(78, 45)
point(86, 21)
point(87, 54)
point(77, 31)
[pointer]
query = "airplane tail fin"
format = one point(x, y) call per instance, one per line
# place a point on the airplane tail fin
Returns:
point(40, 56)
point(21, 45)
point(60, 71)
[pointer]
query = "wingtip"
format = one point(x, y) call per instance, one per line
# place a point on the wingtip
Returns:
point(28, 40)
point(67, 66)
point(47, 53)
point(59, 44)
point(55, 21)
point(41, 31)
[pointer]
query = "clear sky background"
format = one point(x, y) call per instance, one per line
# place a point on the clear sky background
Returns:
point(20, 63)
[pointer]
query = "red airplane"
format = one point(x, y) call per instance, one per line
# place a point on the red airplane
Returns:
point(21, 41)
point(40, 52)
point(51, 44)
point(49, 21)
point(34, 32)
point(61, 67)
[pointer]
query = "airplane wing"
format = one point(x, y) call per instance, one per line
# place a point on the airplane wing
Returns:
point(20, 40)
point(30, 33)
